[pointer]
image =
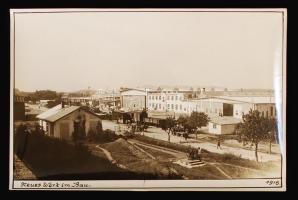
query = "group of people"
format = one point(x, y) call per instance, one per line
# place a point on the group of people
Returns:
point(195, 154)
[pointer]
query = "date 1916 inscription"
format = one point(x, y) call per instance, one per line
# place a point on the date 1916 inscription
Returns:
point(273, 182)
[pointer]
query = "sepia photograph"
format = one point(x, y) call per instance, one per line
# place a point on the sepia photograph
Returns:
point(148, 99)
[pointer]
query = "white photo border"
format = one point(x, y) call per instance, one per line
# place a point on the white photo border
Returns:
point(253, 184)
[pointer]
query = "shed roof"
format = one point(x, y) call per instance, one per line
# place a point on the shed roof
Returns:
point(61, 113)
point(49, 112)
point(58, 112)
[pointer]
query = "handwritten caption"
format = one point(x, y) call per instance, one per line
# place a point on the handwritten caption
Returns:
point(52, 184)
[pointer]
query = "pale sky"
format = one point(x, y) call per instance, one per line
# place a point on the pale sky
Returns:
point(71, 51)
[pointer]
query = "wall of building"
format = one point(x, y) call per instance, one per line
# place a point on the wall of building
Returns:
point(220, 129)
point(242, 109)
point(214, 128)
point(178, 104)
point(134, 102)
point(134, 99)
point(267, 110)
point(263, 108)
point(165, 101)
point(91, 122)
point(228, 128)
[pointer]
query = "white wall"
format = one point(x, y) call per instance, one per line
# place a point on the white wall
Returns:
point(134, 102)
point(163, 101)
point(240, 109)
point(221, 128)
point(213, 130)
point(70, 118)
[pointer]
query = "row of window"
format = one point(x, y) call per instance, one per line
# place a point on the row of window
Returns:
point(262, 113)
point(267, 113)
point(180, 107)
point(162, 98)
point(154, 97)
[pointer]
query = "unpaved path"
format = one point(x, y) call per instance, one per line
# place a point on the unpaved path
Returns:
point(220, 170)
point(21, 171)
point(176, 154)
point(110, 158)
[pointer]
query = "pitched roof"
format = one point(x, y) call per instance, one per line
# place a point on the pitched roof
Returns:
point(225, 120)
point(61, 113)
point(58, 112)
point(49, 112)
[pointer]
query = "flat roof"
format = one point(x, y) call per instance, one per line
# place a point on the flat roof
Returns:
point(160, 115)
point(252, 99)
point(225, 120)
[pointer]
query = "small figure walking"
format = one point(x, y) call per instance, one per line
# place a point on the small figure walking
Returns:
point(218, 144)
point(199, 150)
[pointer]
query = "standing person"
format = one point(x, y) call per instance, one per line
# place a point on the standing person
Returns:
point(199, 153)
point(218, 144)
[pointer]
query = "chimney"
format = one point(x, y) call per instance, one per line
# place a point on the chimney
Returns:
point(62, 104)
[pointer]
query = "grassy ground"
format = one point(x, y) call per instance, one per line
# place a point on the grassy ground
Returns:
point(135, 160)
point(50, 159)
point(162, 143)
point(21, 171)
point(200, 173)
point(233, 166)
point(231, 141)
point(53, 159)
point(158, 154)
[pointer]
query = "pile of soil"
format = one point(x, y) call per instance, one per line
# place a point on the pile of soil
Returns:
point(123, 147)
point(134, 159)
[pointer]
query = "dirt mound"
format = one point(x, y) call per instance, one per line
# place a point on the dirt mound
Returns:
point(121, 146)
point(118, 144)
point(136, 160)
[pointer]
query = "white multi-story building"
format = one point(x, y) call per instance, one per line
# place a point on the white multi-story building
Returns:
point(224, 111)
point(168, 100)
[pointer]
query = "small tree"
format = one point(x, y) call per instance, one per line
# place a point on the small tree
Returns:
point(167, 125)
point(21, 139)
point(185, 135)
point(196, 121)
point(182, 120)
point(143, 115)
point(38, 129)
point(254, 129)
point(92, 135)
